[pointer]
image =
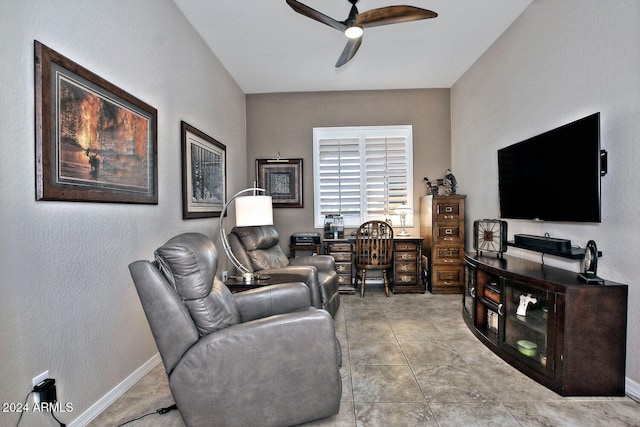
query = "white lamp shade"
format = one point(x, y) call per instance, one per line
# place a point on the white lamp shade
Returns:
point(254, 210)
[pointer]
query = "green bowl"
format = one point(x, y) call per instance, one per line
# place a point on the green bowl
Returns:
point(528, 348)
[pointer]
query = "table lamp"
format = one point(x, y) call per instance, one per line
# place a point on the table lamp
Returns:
point(403, 210)
point(251, 210)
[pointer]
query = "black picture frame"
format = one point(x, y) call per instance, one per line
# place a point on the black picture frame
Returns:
point(282, 180)
point(204, 174)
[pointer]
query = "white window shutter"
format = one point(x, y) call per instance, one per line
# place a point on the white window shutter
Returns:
point(362, 173)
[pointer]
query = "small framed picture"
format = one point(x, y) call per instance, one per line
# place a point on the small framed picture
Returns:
point(282, 179)
point(204, 174)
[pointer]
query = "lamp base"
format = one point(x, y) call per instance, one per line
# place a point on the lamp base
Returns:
point(247, 277)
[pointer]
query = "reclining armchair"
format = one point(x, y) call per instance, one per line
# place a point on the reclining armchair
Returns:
point(258, 249)
point(259, 358)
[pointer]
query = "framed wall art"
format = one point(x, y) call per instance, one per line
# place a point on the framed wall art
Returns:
point(204, 174)
point(94, 141)
point(282, 179)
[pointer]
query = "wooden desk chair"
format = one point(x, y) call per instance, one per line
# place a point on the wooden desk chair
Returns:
point(374, 251)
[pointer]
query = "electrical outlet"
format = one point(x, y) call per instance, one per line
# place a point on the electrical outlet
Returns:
point(43, 376)
point(45, 391)
point(37, 380)
point(225, 276)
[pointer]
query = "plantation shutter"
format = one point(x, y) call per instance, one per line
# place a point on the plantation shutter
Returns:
point(339, 176)
point(386, 173)
point(362, 173)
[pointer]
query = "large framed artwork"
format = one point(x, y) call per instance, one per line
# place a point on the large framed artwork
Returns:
point(94, 141)
point(204, 174)
point(282, 180)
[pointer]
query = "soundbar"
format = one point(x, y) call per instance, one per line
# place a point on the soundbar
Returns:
point(542, 243)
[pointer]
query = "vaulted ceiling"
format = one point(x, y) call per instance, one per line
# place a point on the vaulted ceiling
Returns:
point(267, 47)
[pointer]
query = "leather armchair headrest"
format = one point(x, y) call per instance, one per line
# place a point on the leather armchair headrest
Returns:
point(261, 237)
point(189, 261)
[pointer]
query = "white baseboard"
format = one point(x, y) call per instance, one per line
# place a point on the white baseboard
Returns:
point(96, 409)
point(632, 389)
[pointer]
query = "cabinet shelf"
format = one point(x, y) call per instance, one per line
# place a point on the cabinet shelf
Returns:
point(490, 304)
point(533, 321)
point(573, 253)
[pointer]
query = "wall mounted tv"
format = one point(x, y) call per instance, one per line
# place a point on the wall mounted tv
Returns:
point(554, 176)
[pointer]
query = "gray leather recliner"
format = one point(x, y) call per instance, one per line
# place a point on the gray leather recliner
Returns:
point(258, 249)
point(259, 358)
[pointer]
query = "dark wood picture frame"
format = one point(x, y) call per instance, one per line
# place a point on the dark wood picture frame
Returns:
point(282, 179)
point(94, 141)
point(204, 174)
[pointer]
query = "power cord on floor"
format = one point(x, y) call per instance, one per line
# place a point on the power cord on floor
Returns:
point(160, 411)
point(24, 405)
point(59, 422)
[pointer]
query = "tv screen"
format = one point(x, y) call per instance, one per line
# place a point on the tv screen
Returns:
point(554, 176)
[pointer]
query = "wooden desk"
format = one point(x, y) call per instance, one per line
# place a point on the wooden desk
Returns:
point(407, 264)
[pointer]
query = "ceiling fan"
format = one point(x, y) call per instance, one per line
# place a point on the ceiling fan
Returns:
point(353, 26)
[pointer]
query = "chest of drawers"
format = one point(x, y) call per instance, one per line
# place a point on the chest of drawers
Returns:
point(407, 274)
point(442, 224)
point(342, 252)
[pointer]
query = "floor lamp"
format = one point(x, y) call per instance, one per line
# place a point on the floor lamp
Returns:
point(251, 210)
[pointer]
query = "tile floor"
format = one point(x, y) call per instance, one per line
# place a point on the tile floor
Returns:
point(409, 360)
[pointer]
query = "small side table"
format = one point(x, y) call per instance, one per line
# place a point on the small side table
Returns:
point(271, 279)
point(294, 248)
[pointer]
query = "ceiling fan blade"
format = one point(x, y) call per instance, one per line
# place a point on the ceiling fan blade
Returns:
point(392, 15)
point(314, 14)
point(349, 51)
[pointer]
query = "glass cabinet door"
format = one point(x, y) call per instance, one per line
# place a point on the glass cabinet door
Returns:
point(469, 293)
point(526, 323)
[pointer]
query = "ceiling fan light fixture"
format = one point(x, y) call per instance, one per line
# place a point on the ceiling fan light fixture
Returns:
point(354, 32)
point(353, 26)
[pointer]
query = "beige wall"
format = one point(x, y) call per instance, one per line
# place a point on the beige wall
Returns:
point(561, 60)
point(68, 303)
point(283, 123)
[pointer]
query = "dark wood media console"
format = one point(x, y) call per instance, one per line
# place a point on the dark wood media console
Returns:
point(567, 335)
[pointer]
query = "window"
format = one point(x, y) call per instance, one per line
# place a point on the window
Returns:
point(362, 173)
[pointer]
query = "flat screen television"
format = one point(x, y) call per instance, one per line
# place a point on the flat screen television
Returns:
point(554, 176)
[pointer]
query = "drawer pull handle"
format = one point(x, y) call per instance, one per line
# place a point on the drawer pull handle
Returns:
point(448, 238)
point(448, 283)
point(405, 268)
point(405, 256)
point(448, 209)
point(500, 309)
point(448, 217)
point(406, 279)
point(448, 260)
point(472, 292)
point(448, 231)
